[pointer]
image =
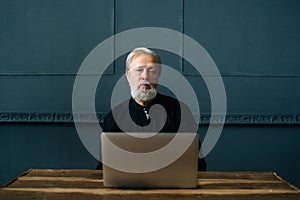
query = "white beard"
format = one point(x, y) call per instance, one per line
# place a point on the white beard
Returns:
point(143, 95)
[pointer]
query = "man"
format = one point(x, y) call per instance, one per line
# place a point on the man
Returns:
point(147, 110)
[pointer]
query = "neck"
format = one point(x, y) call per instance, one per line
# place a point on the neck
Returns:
point(143, 103)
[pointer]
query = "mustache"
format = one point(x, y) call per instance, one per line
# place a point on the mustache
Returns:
point(144, 83)
point(151, 85)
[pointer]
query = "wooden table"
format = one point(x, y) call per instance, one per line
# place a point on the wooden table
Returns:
point(88, 184)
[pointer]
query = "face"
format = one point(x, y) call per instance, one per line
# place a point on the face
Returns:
point(142, 76)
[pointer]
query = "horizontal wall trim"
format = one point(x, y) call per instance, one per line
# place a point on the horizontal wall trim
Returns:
point(234, 119)
point(112, 73)
point(49, 74)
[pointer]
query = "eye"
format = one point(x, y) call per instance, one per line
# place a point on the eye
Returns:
point(152, 71)
point(139, 71)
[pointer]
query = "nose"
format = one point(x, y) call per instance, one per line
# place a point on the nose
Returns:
point(144, 75)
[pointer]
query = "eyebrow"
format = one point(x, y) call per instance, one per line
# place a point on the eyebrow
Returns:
point(145, 66)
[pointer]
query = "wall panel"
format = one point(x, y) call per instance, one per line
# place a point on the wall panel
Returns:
point(255, 45)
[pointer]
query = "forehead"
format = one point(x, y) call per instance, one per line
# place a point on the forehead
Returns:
point(140, 60)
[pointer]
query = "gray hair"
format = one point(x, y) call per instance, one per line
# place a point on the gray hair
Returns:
point(141, 50)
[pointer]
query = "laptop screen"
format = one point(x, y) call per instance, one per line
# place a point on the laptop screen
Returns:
point(147, 160)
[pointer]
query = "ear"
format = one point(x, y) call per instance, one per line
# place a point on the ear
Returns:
point(127, 74)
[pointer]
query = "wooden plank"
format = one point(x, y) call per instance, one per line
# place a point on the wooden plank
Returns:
point(106, 191)
point(76, 182)
point(201, 175)
point(68, 193)
point(87, 184)
point(238, 175)
point(204, 175)
point(56, 182)
point(241, 184)
point(250, 180)
point(66, 173)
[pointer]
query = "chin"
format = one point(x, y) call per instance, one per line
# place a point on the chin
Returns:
point(144, 94)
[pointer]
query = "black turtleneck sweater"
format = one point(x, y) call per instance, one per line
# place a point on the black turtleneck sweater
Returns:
point(129, 116)
point(136, 120)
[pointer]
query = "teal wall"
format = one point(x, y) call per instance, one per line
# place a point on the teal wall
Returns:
point(254, 43)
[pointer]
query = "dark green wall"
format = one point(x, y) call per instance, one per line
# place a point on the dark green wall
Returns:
point(254, 43)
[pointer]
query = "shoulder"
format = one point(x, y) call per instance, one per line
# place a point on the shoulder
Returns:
point(117, 110)
point(169, 101)
point(164, 99)
point(109, 123)
point(172, 103)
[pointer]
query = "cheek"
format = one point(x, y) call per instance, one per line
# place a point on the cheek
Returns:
point(153, 80)
point(132, 81)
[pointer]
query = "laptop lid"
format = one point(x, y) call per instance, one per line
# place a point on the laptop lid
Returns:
point(147, 160)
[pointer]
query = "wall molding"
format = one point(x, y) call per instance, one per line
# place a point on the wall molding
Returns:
point(112, 72)
point(230, 119)
point(255, 119)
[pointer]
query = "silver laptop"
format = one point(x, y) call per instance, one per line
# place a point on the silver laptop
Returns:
point(146, 160)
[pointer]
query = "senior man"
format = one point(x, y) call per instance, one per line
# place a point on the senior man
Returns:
point(147, 110)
